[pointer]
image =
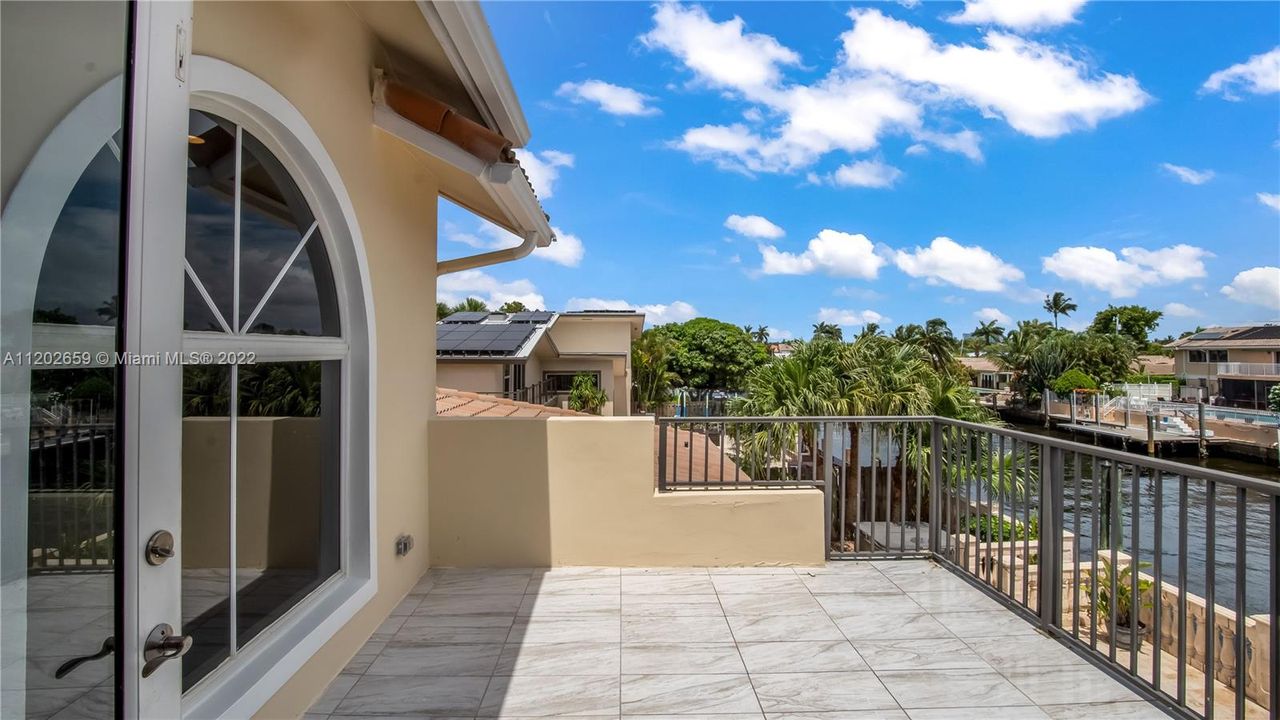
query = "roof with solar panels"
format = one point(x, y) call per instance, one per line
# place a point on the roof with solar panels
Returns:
point(1249, 336)
point(489, 335)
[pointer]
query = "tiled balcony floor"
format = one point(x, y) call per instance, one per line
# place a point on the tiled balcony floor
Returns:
point(896, 639)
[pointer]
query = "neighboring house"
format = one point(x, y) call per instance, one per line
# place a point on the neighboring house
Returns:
point(534, 356)
point(1234, 366)
point(1153, 365)
point(780, 349)
point(984, 373)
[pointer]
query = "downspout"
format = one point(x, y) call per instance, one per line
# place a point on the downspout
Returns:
point(493, 257)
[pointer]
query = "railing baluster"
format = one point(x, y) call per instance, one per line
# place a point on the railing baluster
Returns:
point(1210, 602)
point(1095, 544)
point(1242, 562)
point(1157, 569)
point(1000, 494)
point(662, 456)
point(1136, 565)
point(919, 484)
point(1026, 525)
point(1183, 532)
point(902, 491)
point(1113, 526)
point(1075, 545)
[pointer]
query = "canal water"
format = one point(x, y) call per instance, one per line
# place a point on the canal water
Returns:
point(1256, 528)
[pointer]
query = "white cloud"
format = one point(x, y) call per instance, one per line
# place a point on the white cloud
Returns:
point(754, 226)
point(613, 99)
point(866, 173)
point(1259, 74)
point(1177, 309)
point(848, 318)
point(917, 149)
point(1187, 175)
point(1103, 269)
point(567, 250)
point(965, 142)
point(780, 335)
point(655, 314)
point(1018, 14)
point(455, 287)
point(971, 267)
point(721, 54)
point(1257, 286)
point(832, 252)
point(543, 169)
point(990, 313)
point(1271, 200)
point(1039, 90)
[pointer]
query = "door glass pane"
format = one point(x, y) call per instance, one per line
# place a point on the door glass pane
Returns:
point(298, 307)
point(206, 518)
point(287, 486)
point(62, 191)
point(211, 170)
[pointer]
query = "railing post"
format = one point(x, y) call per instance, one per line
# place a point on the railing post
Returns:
point(828, 435)
point(1049, 567)
point(662, 457)
point(1203, 444)
point(935, 484)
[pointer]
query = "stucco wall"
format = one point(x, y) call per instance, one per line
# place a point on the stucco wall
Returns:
point(320, 56)
point(591, 335)
point(604, 366)
point(472, 377)
point(580, 491)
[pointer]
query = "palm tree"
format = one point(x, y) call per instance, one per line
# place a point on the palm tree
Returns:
point(910, 332)
point(512, 306)
point(871, 329)
point(651, 356)
point(471, 305)
point(940, 343)
point(988, 333)
point(443, 310)
point(827, 331)
point(761, 334)
point(1059, 304)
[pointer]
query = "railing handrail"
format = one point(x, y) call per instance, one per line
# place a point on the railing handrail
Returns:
point(1121, 456)
point(1248, 368)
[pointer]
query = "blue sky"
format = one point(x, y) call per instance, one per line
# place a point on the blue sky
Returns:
point(911, 160)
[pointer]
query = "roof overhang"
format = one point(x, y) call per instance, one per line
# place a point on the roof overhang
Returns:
point(464, 35)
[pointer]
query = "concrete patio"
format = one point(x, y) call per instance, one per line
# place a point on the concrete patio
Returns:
point(893, 639)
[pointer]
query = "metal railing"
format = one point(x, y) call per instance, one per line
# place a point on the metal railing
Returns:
point(71, 498)
point(1248, 368)
point(537, 393)
point(1165, 574)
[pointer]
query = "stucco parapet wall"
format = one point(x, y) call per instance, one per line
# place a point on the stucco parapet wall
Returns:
point(513, 492)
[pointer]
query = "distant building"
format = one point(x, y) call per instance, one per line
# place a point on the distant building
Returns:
point(780, 349)
point(1235, 366)
point(534, 356)
point(984, 373)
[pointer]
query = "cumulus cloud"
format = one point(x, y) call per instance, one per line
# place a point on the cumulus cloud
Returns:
point(848, 318)
point(1271, 200)
point(832, 252)
point(1039, 90)
point(1018, 14)
point(987, 314)
point(455, 287)
point(655, 314)
point(971, 267)
point(865, 173)
point(780, 335)
point(754, 226)
point(613, 99)
point(567, 250)
point(1257, 286)
point(1123, 276)
point(543, 169)
point(1259, 75)
point(1177, 309)
point(1187, 175)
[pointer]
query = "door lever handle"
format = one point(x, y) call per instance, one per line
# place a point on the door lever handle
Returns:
point(163, 645)
point(108, 647)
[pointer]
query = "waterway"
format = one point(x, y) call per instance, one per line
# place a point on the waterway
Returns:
point(1256, 528)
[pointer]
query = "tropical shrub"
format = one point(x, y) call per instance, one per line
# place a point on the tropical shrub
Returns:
point(1123, 602)
point(1273, 398)
point(585, 395)
point(990, 528)
point(1072, 380)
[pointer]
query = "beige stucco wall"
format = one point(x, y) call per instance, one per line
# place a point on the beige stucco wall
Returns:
point(320, 56)
point(580, 491)
point(591, 335)
point(470, 376)
point(607, 367)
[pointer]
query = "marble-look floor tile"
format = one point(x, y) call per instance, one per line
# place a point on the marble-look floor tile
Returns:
point(996, 623)
point(926, 654)
point(890, 626)
point(463, 629)
point(1138, 710)
point(481, 584)
point(934, 581)
point(575, 585)
point(414, 660)
point(676, 630)
point(1021, 651)
point(757, 584)
point(565, 629)
point(821, 692)
point(861, 583)
point(806, 657)
point(667, 585)
point(646, 605)
point(1069, 685)
point(843, 605)
point(881, 714)
point(681, 659)
point(559, 659)
point(769, 604)
point(942, 688)
point(539, 696)
point(393, 695)
point(571, 604)
point(687, 694)
point(773, 628)
point(1015, 712)
point(338, 689)
point(445, 604)
point(753, 570)
point(955, 600)
point(665, 571)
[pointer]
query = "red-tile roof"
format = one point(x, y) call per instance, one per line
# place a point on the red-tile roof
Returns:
point(459, 403)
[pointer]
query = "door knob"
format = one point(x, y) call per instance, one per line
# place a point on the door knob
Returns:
point(163, 645)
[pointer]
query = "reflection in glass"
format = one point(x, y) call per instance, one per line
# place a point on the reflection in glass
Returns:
point(287, 488)
point(211, 167)
point(206, 518)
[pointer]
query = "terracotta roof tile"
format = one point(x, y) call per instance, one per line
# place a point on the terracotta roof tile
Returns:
point(459, 403)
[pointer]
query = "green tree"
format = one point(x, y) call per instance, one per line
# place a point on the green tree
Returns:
point(712, 355)
point(760, 334)
point(1133, 321)
point(1273, 398)
point(827, 331)
point(585, 395)
point(471, 305)
point(512, 306)
point(940, 343)
point(651, 357)
point(987, 334)
point(910, 332)
point(443, 310)
point(1059, 304)
point(1072, 380)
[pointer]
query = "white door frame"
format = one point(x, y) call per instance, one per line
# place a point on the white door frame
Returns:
point(152, 402)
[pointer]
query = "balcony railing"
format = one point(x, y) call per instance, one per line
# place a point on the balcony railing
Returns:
point(1250, 369)
point(1064, 533)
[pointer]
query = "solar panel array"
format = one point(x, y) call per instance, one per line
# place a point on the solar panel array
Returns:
point(537, 317)
point(1263, 332)
point(465, 317)
point(481, 339)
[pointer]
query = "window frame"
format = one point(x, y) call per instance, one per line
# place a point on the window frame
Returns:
point(241, 686)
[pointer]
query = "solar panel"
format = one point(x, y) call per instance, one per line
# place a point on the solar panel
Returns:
point(532, 316)
point(481, 339)
point(1264, 332)
point(466, 317)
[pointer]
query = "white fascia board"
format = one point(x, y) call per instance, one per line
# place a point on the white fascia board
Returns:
point(504, 182)
point(464, 34)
